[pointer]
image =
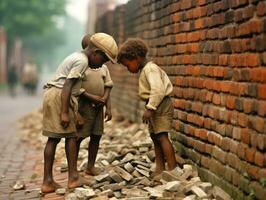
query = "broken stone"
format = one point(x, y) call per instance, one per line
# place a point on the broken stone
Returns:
point(105, 162)
point(190, 197)
point(144, 168)
point(129, 167)
point(136, 174)
point(60, 191)
point(83, 165)
point(143, 172)
point(108, 193)
point(205, 186)
point(137, 162)
point(94, 186)
point(151, 155)
point(134, 192)
point(154, 192)
point(173, 186)
point(84, 193)
point(19, 185)
point(127, 158)
point(115, 176)
point(198, 191)
point(117, 194)
point(220, 194)
point(168, 177)
point(113, 187)
point(124, 174)
point(111, 156)
point(143, 149)
point(102, 177)
point(115, 162)
point(71, 196)
point(144, 181)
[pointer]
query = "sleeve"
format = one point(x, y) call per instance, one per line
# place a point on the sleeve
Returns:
point(108, 81)
point(157, 91)
point(77, 69)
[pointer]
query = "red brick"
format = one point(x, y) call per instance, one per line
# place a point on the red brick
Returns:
point(242, 120)
point(252, 60)
point(230, 102)
point(241, 150)
point(245, 135)
point(250, 154)
point(262, 91)
point(260, 159)
point(253, 171)
point(257, 123)
point(205, 161)
point(261, 141)
point(248, 105)
point(261, 8)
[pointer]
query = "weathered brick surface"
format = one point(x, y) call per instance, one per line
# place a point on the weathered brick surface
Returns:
point(214, 52)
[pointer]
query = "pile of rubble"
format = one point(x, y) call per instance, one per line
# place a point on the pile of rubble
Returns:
point(126, 156)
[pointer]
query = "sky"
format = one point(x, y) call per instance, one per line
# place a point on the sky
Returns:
point(78, 9)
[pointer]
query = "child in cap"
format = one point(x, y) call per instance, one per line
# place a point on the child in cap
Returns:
point(60, 106)
point(155, 89)
point(98, 84)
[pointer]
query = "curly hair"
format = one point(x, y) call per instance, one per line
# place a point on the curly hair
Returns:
point(132, 48)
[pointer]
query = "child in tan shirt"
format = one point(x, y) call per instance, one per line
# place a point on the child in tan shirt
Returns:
point(154, 88)
point(97, 84)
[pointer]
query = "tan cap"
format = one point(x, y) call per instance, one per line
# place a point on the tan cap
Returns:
point(107, 44)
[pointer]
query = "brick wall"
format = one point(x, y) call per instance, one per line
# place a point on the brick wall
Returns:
point(214, 53)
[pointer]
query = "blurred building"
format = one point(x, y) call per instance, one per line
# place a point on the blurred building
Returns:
point(3, 68)
point(96, 9)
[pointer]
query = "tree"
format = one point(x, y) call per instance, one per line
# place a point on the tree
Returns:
point(25, 18)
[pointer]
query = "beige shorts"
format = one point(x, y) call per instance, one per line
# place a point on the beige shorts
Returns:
point(162, 119)
point(51, 115)
point(93, 119)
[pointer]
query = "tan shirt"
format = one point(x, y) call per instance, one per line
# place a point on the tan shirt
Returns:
point(95, 80)
point(72, 66)
point(154, 85)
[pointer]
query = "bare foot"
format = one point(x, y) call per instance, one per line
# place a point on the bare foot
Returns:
point(50, 187)
point(156, 173)
point(94, 171)
point(77, 183)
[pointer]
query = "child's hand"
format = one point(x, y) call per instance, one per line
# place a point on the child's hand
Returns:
point(99, 101)
point(108, 115)
point(147, 116)
point(65, 120)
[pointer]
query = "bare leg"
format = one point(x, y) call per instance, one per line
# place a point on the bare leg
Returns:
point(93, 150)
point(71, 152)
point(168, 150)
point(49, 185)
point(159, 158)
point(79, 140)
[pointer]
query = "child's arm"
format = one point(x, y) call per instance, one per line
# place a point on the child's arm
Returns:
point(65, 99)
point(108, 113)
point(95, 98)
